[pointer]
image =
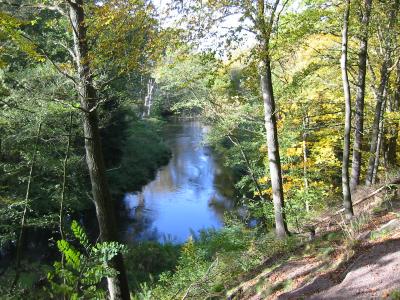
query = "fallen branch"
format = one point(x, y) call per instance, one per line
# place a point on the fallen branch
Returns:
point(377, 191)
point(393, 182)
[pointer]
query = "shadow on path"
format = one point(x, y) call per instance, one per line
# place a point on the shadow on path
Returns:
point(369, 275)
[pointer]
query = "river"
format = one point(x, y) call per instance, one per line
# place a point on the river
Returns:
point(191, 193)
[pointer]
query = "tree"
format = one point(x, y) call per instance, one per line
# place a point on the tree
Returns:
point(266, 20)
point(88, 97)
point(263, 19)
point(386, 39)
point(359, 110)
point(393, 131)
point(132, 26)
point(347, 122)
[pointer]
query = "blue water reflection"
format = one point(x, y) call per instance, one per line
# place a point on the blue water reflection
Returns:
point(191, 193)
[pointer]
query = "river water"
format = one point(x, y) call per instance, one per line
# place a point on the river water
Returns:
point(191, 193)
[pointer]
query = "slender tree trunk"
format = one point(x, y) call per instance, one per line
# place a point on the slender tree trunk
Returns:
point(117, 286)
point(393, 131)
point(380, 93)
point(359, 117)
point(377, 121)
point(378, 148)
point(148, 100)
point(348, 206)
point(64, 178)
point(237, 143)
point(305, 161)
point(63, 186)
point(21, 235)
point(273, 149)
point(267, 91)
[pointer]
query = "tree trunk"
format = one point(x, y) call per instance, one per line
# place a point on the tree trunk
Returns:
point(264, 34)
point(64, 178)
point(380, 92)
point(347, 123)
point(378, 147)
point(148, 100)
point(118, 286)
point(273, 148)
point(391, 148)
point(359, 117)
point(379, 95)
point(306, 120)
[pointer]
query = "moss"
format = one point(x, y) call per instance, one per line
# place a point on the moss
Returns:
point(326, 252)
point(394, 295)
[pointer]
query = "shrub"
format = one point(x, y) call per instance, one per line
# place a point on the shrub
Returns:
point(80, 272)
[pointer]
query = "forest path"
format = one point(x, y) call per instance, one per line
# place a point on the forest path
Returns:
point(339, 264)
point(372, 275)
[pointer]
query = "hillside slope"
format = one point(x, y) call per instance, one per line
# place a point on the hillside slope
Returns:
point(360, 260)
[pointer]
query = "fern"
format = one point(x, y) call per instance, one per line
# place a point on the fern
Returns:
point(79, 275)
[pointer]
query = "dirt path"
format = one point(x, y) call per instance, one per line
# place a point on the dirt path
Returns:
point(371, 276)
point(338, 264)
point(369, 271)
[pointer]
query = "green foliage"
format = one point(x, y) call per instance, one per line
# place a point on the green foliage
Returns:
point(183, 82)
point(126, 40)
point(12, 38)
point(146, 261)
point(142, 153)
point(82, 269)
point(394, 295)
point(211, 262)
point(29, 281)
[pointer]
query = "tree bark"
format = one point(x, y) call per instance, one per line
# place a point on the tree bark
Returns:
point(117, 286)
point(306, 121)
point(380, 92)
point(64, 178)
point(347, 123)
point(377, 121)
point(265, 74)
point(273, 148)
point(391, 148)
point(148, 100)
point(359, 117)
point(378, 147)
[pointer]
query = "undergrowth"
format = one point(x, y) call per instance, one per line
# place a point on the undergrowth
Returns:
point(212, 262)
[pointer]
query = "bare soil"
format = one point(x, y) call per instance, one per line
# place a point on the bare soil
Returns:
point(363, 266)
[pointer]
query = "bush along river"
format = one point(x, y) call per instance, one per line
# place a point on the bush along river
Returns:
point(192, 192)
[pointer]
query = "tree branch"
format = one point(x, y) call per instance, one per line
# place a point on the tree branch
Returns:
point(45, 54)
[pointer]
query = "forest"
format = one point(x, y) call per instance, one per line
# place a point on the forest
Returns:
point(199, 149)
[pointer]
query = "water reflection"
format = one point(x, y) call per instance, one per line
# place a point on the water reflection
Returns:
point(192, 192)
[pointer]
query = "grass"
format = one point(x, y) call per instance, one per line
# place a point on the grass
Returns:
point(394, 295)
point(378, 235)
point(284, 285)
